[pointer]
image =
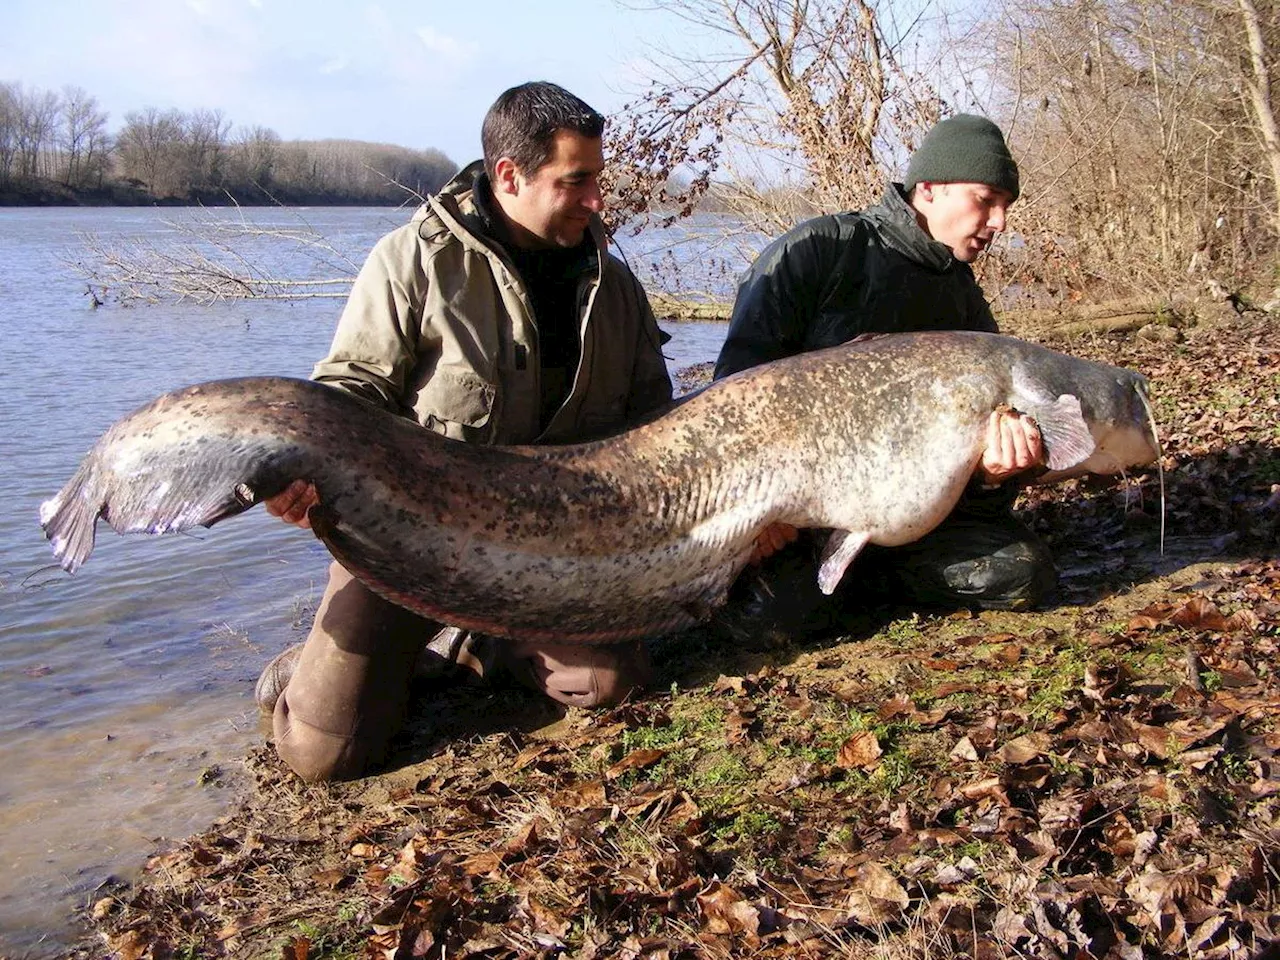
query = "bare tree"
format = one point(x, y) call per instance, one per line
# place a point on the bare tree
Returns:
point(1257, 80)
point(204, 140)
point(10, 113)
point(806, 112)
point(1138, 128)
point(354, 170)
point(785, 109)
point(84, 138)
point(150, 150)
point(37, 123)
point(254, 154)
point(210, 257)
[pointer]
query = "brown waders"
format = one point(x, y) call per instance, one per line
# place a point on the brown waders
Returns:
point(349, 690)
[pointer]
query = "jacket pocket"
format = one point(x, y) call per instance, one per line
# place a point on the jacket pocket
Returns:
point(455, 402)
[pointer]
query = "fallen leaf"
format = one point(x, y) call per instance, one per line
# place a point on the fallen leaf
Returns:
point(1034, 775)
point(582, 796)
point(635, 760)
point(482, 863)
point(877, 897)
point(547, 920)
point(525, 837)
point(331, 879)
point(949, 688)
point(1008, 654)
point(895, 707)
point(130, 945)
point(532, 754)
point(726, 911)
point(1118, 837)
point(725, 684)
point(861, 751)
point(1199, 613)
point(901, 819)
point(1025, 748)
point(982, 789)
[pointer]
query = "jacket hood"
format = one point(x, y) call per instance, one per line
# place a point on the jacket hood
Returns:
point(895, 220)
point(460, 184)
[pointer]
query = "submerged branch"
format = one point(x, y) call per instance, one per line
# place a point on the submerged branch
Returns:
point(213, 260)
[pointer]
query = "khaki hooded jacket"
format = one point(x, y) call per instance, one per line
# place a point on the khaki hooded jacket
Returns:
point(439, 328)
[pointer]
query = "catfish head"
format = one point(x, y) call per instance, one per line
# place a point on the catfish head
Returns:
point(1093, 418)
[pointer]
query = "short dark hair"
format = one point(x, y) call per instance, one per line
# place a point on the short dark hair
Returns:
point(523, 121)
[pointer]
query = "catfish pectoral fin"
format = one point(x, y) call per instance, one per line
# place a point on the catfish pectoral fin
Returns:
point(1067, 440)
point(841, 549)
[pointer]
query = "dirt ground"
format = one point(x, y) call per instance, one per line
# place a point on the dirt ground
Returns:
point(1096, 779)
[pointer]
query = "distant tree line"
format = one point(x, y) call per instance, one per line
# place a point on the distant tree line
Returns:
point(56, 148)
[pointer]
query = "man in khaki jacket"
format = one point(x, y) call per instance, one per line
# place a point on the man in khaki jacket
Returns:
point(496, 315)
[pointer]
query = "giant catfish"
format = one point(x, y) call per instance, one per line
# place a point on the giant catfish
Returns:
point(636, 535)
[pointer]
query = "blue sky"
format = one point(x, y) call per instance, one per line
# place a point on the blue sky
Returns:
point(419, 73)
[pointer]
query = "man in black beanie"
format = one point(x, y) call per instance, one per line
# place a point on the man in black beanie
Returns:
point(902, 265)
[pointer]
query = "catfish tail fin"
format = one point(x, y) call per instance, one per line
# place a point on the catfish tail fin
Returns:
point(162, 498)
point(69, 521)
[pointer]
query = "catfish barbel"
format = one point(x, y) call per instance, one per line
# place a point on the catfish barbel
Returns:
point(639, 534)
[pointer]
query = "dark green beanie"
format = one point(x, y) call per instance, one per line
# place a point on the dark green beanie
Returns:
point(964, 149)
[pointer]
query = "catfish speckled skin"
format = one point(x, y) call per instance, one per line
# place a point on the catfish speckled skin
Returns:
point(636, 535)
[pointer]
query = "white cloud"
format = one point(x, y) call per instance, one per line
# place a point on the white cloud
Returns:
point(451, 48)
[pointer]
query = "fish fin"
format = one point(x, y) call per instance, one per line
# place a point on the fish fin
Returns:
point(170, 497)
point(841, 548)
point(1067, 440)
point(70, 521)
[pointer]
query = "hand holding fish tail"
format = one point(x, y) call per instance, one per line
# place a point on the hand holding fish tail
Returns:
point(293, 504)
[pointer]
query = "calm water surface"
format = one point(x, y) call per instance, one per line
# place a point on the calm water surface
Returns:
point(126, 688)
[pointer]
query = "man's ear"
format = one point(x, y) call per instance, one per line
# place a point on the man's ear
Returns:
point(927, 190)
point(506, 177)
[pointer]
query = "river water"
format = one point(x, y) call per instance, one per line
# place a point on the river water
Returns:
point(126, 689)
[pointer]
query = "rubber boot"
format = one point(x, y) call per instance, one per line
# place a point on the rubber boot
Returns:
point(348, 693)
point(275, 677)
point(984, 563)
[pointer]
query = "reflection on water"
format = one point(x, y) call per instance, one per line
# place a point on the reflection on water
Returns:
point(126, 689)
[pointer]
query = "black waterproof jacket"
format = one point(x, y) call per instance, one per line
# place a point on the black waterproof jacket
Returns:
point(835, 277)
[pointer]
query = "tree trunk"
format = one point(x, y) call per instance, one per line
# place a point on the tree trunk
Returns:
point(1260, 97)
